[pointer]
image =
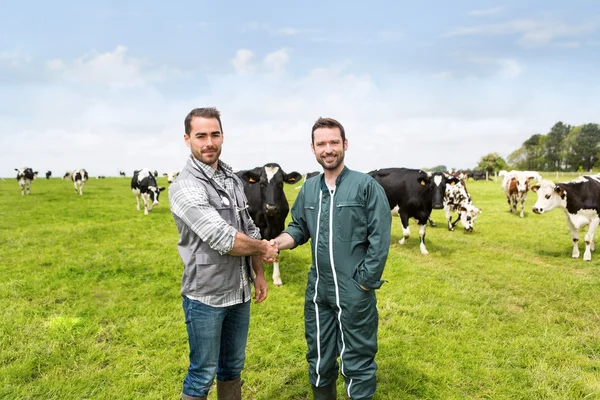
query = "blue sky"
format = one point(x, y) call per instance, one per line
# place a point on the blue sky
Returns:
point(107, 86)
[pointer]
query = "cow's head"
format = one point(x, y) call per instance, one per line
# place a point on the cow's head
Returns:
point(151, 197)
point(439, 181)
point(171, 176)
point(550, 196)
point(271, 179)
point(24, 173)
point(468, 214)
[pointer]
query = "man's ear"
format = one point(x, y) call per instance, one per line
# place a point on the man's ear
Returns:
point(186, 138)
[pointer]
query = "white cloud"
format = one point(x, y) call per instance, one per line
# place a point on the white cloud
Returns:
point(242, 62)
point(113, 68)
point(486, 12)
point(407, 120)
point(277, 60)
point(531, 32)
point(13, 59)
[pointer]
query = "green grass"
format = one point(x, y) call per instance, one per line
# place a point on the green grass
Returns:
point(90, 305)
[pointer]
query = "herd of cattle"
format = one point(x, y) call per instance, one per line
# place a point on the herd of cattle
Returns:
point(411, 193)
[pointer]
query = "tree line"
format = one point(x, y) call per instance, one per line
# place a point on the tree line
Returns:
point(564, 148)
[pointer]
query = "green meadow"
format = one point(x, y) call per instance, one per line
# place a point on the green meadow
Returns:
point(90, 305)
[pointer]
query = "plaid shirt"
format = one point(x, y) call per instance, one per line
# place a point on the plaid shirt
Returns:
point(212, 229)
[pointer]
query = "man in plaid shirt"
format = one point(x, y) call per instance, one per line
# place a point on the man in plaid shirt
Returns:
point(222, 253)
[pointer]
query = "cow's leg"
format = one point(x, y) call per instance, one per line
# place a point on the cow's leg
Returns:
point(522, 202)
point(448, 213)
point(145, 205)
point(575, 237)
point(431, 223)
point(75, 186)
point(422, 238)
point(276, 275)
point(589, 239)
point(405, 229)
point(137, 200)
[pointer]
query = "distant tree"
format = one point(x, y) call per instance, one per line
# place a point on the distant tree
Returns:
point(439, 168)
point(585, 148)
point(491, 162)
point(555, 154)
point(535, 150)
point(518, 158)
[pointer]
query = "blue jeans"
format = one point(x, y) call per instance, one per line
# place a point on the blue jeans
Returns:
point(217, 337)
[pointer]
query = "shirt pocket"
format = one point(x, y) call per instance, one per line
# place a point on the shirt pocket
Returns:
point(215, 274)
point(351, 221)
point(310, 214)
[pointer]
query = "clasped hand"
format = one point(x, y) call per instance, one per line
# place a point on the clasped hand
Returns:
point(271, 251)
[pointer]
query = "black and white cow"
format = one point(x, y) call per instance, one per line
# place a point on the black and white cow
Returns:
point(267, 203)
point(35, 174)
point(24, 176)
point(143, 184)
point(122, 173)
point(580, 200)
point(457, 200)
point(79, 178)
point(48, 174)
point(410, 193)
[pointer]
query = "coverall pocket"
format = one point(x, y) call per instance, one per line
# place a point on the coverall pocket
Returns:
point(351, 221)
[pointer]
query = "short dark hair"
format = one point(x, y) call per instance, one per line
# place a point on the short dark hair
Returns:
point(206, 112)
point(327, 123)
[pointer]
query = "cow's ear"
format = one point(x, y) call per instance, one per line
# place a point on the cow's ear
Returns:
point(463, 209)
point(422, 181)
point(529, 179)
point(453, 181)
point(560, 191)
point(250, 177)
point(535, 188)
point(160, 189)
point(292, 177)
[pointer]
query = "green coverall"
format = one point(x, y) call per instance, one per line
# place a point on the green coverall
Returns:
point(350, 232)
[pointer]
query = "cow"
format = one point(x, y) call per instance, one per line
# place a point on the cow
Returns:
point(172, 175)
point(516, 186)
point(267, 203)
point(122, 173)
point(477, 175)
point(458, 200)
point(24, 177)
point(307, 176)
point(101, 177)
point(79, 177)
point(48, 174)
point(410, 193)
point(35, 174)
point(580, 200)
point(143, 184)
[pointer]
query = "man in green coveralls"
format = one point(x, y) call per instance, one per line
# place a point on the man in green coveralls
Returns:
point(347, 216)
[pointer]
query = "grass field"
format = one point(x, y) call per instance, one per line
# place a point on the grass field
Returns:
point(90, 305)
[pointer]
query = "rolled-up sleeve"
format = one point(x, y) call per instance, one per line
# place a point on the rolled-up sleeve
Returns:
point(189, 202)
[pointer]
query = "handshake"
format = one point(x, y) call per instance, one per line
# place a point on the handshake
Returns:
point(270, 251)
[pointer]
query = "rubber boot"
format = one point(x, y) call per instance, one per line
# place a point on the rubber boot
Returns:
point(229, 390)
point(186, 397)
point(328, 392)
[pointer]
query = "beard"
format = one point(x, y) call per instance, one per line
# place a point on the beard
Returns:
point(207, 159)
point(331, 166)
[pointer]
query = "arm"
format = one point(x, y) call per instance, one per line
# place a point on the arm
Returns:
point(189, 202)
point(260, 284)
point(379, 222)
point(297, 231)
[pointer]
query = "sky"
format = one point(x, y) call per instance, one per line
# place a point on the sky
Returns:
point(106, 86)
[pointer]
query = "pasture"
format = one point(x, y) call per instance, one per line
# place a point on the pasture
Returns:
point(90, 305)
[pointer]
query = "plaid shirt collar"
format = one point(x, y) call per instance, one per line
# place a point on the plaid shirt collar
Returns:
point(210, 171)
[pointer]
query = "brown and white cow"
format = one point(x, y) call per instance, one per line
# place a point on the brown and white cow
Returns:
point(172, 175)
point(516, 186)
point(24, 176)
point(580, 200)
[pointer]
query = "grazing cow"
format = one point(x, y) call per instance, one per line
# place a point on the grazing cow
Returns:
point(121, 173)
point(48, 174)
point(580, 200)
point(267, 203)
point(410, 193)
point(24, 176)
point(100, 177)
point(35, 174)
point(458, 200)
point(143, 184)
point(79, 177)
point(516, 186)
point(476, 175)
point(172, 175)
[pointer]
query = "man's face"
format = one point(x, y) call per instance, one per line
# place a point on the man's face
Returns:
point(205, 140)
point(329, 148)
